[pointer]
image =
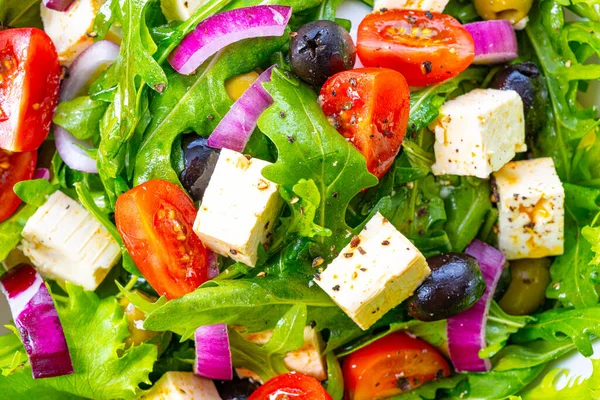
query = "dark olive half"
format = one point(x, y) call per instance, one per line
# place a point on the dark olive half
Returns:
point(455, 284)
point(200, 162)
point(237, 389)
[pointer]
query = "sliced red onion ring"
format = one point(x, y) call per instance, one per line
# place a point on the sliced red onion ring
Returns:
point(42, 173)
point(221, 30)
point(87, 64)
point(37, 320)
point(466, 331)
point(58, 5)
point(213, 355)
point(495, 41)
point(213, 264)
point(236, 127)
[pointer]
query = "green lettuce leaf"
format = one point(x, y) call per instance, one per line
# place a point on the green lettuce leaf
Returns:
point(310, 148)
point(81, 116)
point(268, 360)
point(530, 354)
point(576, 387)
point(499, 327)
point(579, 325)
point(95, 329)
point(20, 14)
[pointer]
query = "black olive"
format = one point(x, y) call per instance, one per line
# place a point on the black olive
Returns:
point(237, 389)
point(200, 161)
point(526, 80)
point(321, 49)
point(455, 284)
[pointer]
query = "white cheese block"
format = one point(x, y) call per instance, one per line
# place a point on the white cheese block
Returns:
point(182, 386)
point(531, 204)
point(478, 133)
point(64, 241)
point(180, 10)
point(307, 359)
point(239, 208)
point(71, 31)
point(423, 5)
point(378, 270)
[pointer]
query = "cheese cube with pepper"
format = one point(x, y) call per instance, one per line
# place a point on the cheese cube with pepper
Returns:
point(423, 5)
point(182, 386)
point(478, 133)
point(308, 359)
point(378, 270)
point(531, 203)
point(239, 208)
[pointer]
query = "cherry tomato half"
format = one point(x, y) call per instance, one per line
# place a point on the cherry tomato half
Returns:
point(391, 365)
point(370, 107)
point(294, 385)
point(29, 84)
point(14, 168)
point(155, 221)
point(425, 47)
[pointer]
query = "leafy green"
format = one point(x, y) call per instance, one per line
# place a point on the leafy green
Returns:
point(12, 356)
point(34, 192)
point(81, 116)
point(10, 230)
point(95, 329)
point(498, 385)
point(335, 380)
point(576, 387)
point(499, 327)
point(463, 10)
point(310, 148)
point(562, 324)
point(268, 360)
point(592, 236)
point(530, 354)
point(431, 390)
point(20, 14)
point(195, 103)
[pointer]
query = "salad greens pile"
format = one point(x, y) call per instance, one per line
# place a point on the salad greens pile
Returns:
point(136, 113)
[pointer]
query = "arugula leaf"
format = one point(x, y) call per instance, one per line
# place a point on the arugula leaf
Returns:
point(498, 385)
point(429, 390)
point(530, 354)
point(562, 324)
point(592, 235)
point(463, 10)
point(12, 356)
point(268, 360)
point(81, 116)
point(20, 14)
point(310, 148)
point(576, 387)
point(499, 327)
point(95, 329)
point(335, 379)
point(34, 192)
point(197, 103)
point(10, 230)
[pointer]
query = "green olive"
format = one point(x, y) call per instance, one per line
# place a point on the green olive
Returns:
point(527, 290)
point(510, 10)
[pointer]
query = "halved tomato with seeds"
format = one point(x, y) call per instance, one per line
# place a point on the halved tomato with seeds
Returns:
point(155, 221)
point(14, 168)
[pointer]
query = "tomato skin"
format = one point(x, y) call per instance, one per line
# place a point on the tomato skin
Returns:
point(29, 88)
point(295, 385)
point(155, 221)
point(14, 168)
point(369, 107)
point(374, 372)
point(441, 50)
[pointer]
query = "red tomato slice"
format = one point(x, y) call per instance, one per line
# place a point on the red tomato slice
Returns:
point(155, 221)
point(294, 385)
point(370, 107)
point(14, 168)
point(29, 84)
point(425, 47)
point(391, 365)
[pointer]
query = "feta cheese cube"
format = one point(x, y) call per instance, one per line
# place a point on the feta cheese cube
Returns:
point(182, 386)
point(478, 132)
point(64, 241)
point(307, 359)
point(378, 270)
point(531, 204)
point(70, 31)
point(423, 5)
point(239, 208)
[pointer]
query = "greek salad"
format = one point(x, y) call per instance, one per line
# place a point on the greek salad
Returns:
point(238, 199)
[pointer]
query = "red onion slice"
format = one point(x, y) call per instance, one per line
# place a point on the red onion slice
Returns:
point(221, 30)
point(58, 5)
point(213, 264)
point(213, 355)
point(235, 129)
point(495, 41)
point(96, 57)
point(38, 323)
point(42, 173)
point(466, 331)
